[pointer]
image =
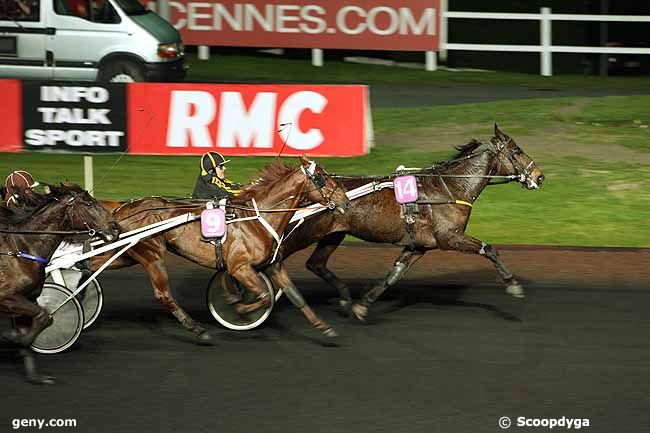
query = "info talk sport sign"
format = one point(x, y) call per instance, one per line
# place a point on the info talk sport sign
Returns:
point(185, 119)
point(399, 25)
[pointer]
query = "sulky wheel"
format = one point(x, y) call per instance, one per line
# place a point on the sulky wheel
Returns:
point(223, 286)
point(67, 322)
point(91, 298)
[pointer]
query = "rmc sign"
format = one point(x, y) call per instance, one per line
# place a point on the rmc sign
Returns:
point(330, 24)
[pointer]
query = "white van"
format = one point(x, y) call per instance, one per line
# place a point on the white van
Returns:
point(87, 40)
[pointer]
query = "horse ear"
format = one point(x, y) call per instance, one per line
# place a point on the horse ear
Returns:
point(303, 160)
point(497, 132)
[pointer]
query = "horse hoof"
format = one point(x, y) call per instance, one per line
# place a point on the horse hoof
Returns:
point(345, 308)
point(360, 312)
point(330, 333)
point(204, 339)
point(16, 337)
point(516, 290)
point(41, 380)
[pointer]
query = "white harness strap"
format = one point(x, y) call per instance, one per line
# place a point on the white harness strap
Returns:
point(311, 170)
point(266, 225)
point(271, 230)
point(275, 254)
point(366, 189)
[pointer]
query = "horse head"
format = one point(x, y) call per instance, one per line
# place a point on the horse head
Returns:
point(325, 190)
point(83, 212)
point(513, 161)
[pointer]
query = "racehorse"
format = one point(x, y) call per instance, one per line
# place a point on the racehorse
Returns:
point(30, 235)
point(446, 194)
point(249, 246)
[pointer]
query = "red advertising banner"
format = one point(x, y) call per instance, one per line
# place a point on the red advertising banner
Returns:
point(11, 129)
point(411, 25)
point(234, 119)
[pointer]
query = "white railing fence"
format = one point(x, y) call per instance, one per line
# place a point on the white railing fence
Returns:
point(545, 47)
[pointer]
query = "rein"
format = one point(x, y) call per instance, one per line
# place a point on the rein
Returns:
point(26, 256)
point(430, 171)
point(308, 172)
point(90, 232)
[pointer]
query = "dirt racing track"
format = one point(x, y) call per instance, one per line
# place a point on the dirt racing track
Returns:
point(447, 351)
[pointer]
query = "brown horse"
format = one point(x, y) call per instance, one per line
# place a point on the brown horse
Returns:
point(249, 246)
point(30, 235)
point(446, 192)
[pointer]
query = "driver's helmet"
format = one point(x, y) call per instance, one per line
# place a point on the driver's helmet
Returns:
point(210, 161)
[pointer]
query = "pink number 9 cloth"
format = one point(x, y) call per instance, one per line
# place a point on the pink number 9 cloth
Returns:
point(213, 223)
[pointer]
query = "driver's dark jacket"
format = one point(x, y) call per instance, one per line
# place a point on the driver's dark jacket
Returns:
point(211, 187)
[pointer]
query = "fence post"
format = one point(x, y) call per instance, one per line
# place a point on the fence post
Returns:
point(316, 57)
point(204, 52)
point(442, 49)
point(546, 55)
point(163, 9)
point(88, 174)
point(431, 61)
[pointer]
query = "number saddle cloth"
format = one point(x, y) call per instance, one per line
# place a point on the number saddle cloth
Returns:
point(214, 228)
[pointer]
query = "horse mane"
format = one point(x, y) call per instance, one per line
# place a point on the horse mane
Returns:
point(266, 178)
point(34, 202)
point(10, 216)
point(466, 148)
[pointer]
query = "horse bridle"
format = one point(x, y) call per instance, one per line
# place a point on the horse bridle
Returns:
point(524, 173)
point(70, 215)
point(318, 180)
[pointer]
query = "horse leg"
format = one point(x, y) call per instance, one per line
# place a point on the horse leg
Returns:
point(17, 304)
point(155, 267)
point(403, 263)
point(468, 244)
point(247, 276)
point(317, 263)
point(281, 280)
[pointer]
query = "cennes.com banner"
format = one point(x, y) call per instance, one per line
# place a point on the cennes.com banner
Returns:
point(411, 25)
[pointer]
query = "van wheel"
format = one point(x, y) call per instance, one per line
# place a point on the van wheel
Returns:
point(121, 72)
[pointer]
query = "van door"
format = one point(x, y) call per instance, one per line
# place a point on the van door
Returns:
point(22, 40)
point(85, 31)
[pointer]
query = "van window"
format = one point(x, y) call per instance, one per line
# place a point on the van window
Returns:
point(20, 10)
point(97, 11)
point(132, 7)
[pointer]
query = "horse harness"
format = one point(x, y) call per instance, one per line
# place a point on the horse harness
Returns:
point(315, 178)
point(22, 255)
point(409, 211)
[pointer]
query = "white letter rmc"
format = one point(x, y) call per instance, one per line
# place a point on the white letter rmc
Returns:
point(290, 113)
point(252, 127)
point(183, 124)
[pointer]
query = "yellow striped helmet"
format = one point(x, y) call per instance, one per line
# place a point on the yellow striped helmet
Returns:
point(210, 161)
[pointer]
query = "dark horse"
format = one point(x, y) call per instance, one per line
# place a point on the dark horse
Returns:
point(446, 193)
point(30, 235)
point(249, 246)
